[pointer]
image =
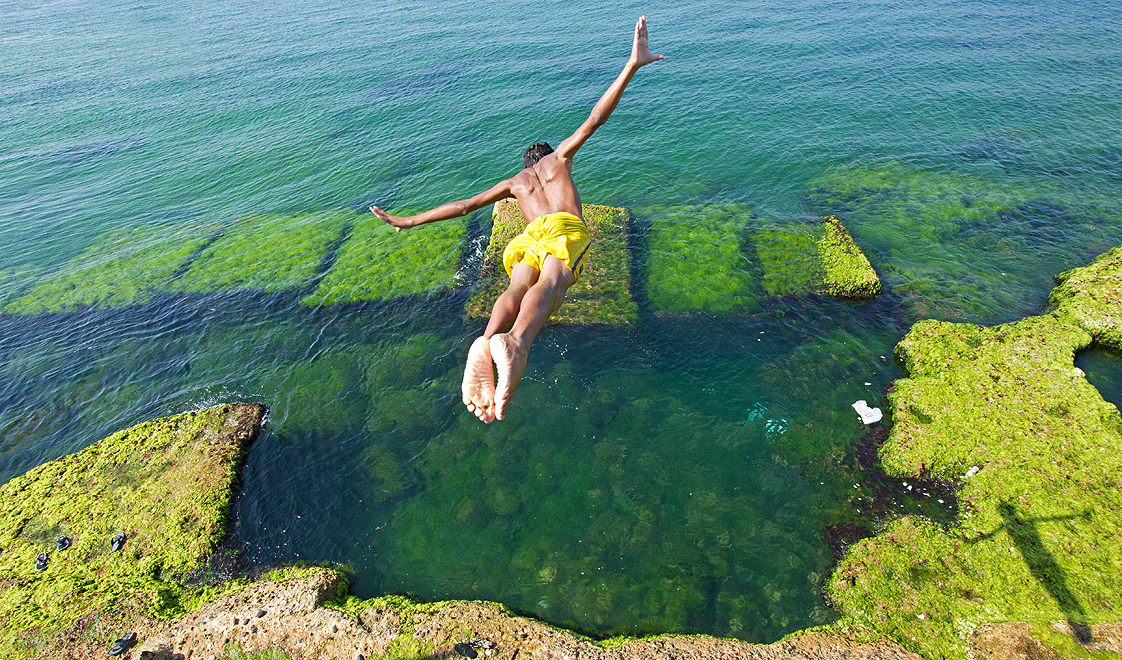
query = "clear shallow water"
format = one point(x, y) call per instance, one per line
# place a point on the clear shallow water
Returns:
point(676, 475)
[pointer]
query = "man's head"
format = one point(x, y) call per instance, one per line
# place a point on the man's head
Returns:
point(535, 153)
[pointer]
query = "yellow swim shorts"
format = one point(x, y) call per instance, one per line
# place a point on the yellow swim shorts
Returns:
point(561, 234)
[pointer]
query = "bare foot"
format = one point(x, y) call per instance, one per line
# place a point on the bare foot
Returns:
point(510, 360)
point(478, 388)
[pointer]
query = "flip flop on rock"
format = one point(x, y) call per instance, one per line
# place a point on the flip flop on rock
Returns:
point(117, 542)
point(62, 543)
point(123, 644)
point(41, 561)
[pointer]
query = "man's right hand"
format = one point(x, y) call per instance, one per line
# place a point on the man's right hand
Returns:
point(394, 221)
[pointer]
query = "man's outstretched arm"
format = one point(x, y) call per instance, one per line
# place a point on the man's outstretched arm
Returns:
point(640, 56)
point(457, 209)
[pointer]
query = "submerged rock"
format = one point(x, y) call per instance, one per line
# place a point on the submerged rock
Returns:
point(264, 253)
point(697, 261)
point(819, 258)
point(123, 267)
point(603, 293)
point(376, 264)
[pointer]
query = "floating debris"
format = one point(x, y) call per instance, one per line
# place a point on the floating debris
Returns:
point(868, 415)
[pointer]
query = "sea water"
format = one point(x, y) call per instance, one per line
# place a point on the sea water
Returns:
point(686, 473)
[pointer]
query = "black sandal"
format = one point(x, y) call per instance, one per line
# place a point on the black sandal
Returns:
point(123, 644)
point(41, 561)
point(117, 542)
point(62, 543)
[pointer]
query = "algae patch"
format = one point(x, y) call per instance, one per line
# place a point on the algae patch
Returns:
point(603, 293)
point(375, 263)
point(264, 253)
point(1042, 526)
point(123, 267)
point(697, 261)
point(165, 484)
point(813, 258)
point(1092, 295)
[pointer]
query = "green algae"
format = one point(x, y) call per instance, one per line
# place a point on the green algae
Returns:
point(375, 263)
point(1092, 295)
point(846, 272)
point(131, 482)
point(817, 258)
point(1042, 526)
point(723, 259)
point(123, 267)
point(15, 281)
point(265, 253)
point(234, 651)
point(603, 293)
point(640, 517)
point(956, 246)
point(697, 260)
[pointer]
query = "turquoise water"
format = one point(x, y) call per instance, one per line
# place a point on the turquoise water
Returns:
point(688, 472)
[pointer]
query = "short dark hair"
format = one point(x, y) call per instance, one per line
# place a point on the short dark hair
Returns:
point(535, 153)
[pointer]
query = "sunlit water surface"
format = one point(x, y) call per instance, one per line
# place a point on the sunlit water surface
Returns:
point(680, 474)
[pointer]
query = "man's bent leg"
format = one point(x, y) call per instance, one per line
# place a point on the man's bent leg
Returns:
point(510, 350)
point(478, 387)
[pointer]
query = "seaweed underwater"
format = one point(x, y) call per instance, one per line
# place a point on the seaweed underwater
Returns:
point(954, 246)
point(656, 485)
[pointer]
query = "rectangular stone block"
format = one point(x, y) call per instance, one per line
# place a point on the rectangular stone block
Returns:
point(123, 267)
point(697, 261)
point(818, 258)
point(375, 263)
point(603, 293)
point(265, 253)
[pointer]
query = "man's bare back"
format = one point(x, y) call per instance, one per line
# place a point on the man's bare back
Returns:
point(544, 190)
point(546, 187)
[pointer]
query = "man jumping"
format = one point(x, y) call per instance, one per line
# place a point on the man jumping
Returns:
point(543, 261)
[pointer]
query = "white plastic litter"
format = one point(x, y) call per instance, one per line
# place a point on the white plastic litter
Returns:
point(868, 415)
point(971, 472)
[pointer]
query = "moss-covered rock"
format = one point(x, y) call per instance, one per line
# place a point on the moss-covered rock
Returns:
point(846, 272)
point(816, 258)
point(265, 253)
point(1041, 536)
point(123, 267)
point(957, 246)
point(697, 260)
point(166, 485)
point(1092, 295)
point(603, 293)
point(375, 263)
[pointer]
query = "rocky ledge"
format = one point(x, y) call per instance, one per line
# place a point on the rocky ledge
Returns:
point(1003, 414)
